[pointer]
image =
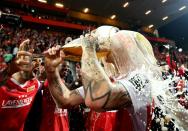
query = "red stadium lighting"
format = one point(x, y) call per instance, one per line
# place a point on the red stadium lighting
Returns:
point(150, 26)
point(163, 1)
point(59, 5)
point(182, 8)
point(148, 12)
point(42, 1)
point(86, 10)
point(113, 17)
point(126, 4)
point(165, 18)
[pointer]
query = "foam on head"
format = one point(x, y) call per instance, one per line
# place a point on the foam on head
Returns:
point(103, 34)
point(131, 51)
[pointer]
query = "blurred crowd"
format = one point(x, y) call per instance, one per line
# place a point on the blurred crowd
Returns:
point(161, 53)
point(40, 40)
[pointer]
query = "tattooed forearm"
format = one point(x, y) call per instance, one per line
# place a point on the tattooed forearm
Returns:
point(56, 84)
point(120, 100)
point(62, 96)
point(56, 88)
point(116, 97)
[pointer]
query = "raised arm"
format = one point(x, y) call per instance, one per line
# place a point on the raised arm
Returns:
point(63, 97)
point(101, 94)
point(21, 65)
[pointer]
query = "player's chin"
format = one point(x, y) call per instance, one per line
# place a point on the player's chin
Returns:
point(26, 68)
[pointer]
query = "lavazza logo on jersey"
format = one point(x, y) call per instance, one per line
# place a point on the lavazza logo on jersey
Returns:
point(16, 103)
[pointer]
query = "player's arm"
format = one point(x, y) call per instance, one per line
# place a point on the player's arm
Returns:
point(100, 93)
point(17, 63)
point(62, 96)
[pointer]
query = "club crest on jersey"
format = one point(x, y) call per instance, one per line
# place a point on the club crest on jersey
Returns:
point(31, 88)
point(16, 103)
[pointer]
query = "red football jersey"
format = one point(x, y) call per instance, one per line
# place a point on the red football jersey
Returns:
point(113, 121)
point(109, 121)
point(171, 63)
point(16, 101)
point(53, 118)
point(181, 71)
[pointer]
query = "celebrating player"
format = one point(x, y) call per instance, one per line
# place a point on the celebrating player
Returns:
point(133, 60)
point(18, 92)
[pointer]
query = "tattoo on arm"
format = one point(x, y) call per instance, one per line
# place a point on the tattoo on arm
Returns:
point(56, 90)
point(61, 88)
point(110, 99)
point(62, 96)
point(94, 86)
point(120, 100)
point(56, 84)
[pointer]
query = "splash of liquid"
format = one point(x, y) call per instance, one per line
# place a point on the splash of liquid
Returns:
point(165, 96)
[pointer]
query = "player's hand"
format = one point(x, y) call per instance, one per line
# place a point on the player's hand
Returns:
point(24, 57)
point(53, 57)
point(89, 42)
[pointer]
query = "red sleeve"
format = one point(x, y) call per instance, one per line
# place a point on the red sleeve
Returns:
point(45, 83)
